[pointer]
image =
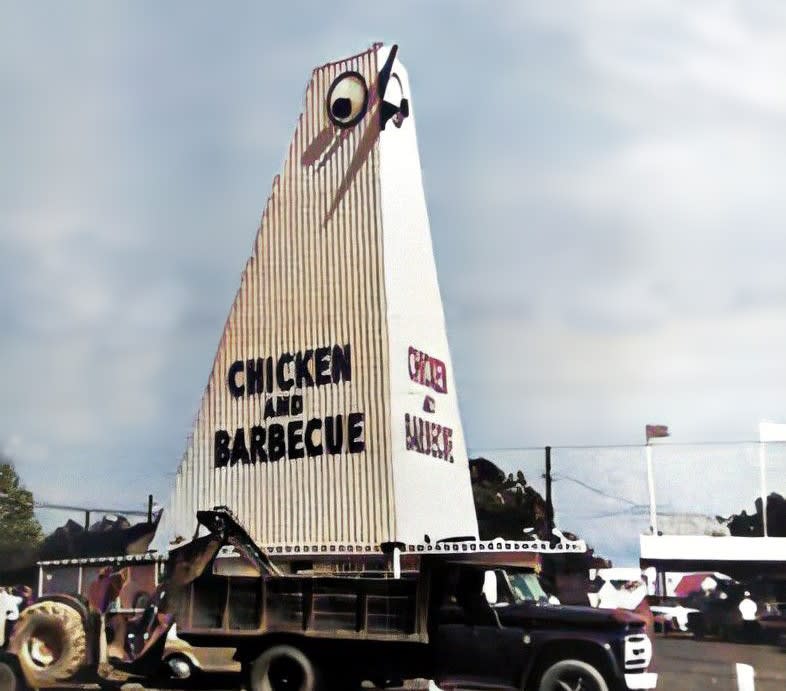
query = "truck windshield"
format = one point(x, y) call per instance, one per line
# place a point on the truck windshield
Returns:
point(526, 587)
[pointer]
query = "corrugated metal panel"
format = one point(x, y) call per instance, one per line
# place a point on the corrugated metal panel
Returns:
point(314, 279)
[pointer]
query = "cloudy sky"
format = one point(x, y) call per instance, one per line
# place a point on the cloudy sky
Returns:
point(604, 184)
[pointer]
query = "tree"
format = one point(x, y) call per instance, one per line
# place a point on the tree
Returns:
point(18, 524)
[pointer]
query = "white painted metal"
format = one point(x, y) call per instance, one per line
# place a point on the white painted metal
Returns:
point(772, 431)
point(697, 547)
point(746, 677)
point(768, 432)
point(763, 484)
point(342, 257)
point(122, 559)
point(496, 546)
point(642, 680)
point(651, 488)
point(432, 495)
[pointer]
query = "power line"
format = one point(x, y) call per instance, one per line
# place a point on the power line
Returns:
point(568, 447)
point(632, 503)
point(82, 509)
point(633, 511)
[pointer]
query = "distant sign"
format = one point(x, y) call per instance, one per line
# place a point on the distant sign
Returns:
point(772, 431)
point(427, 370)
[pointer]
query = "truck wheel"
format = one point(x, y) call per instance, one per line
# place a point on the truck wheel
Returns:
point(50, 642)
point(283, 668)
point(8, 679)
point(572, 675)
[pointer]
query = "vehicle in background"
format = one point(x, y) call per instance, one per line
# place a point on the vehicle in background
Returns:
point(773, 624)
point(617, 587)
point(744, 612)
point(621, 588)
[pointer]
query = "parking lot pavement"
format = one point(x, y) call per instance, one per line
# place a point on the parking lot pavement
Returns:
point(684, 664)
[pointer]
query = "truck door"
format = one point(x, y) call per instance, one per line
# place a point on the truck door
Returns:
point(468, 642)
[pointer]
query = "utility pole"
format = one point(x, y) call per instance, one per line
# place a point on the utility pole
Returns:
point(549, 502)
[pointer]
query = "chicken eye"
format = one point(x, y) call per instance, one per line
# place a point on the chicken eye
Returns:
point(347, 99)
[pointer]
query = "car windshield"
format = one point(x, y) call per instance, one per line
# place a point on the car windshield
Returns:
point(526, 587)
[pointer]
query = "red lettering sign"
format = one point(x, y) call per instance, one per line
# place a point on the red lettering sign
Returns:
point(427, 370)
point(428, 438)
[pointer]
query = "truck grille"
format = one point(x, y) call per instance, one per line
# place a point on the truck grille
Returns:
point(638, 652)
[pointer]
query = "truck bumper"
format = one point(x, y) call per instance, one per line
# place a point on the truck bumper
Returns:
point(641, 680)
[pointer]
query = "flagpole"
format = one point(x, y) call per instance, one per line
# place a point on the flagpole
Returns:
point(651, 487)
point(651, 432)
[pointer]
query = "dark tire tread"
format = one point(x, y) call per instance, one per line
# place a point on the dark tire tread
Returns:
point(550, 678)
point(257, 677)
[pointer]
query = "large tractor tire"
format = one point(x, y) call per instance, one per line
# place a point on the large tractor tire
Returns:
point(50, 643)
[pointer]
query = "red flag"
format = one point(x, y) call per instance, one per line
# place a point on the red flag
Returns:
point(654, 431)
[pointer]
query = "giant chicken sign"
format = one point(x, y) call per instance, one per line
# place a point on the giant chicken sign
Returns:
point(330, 418)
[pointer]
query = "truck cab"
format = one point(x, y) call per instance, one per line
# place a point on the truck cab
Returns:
point(493, 626)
